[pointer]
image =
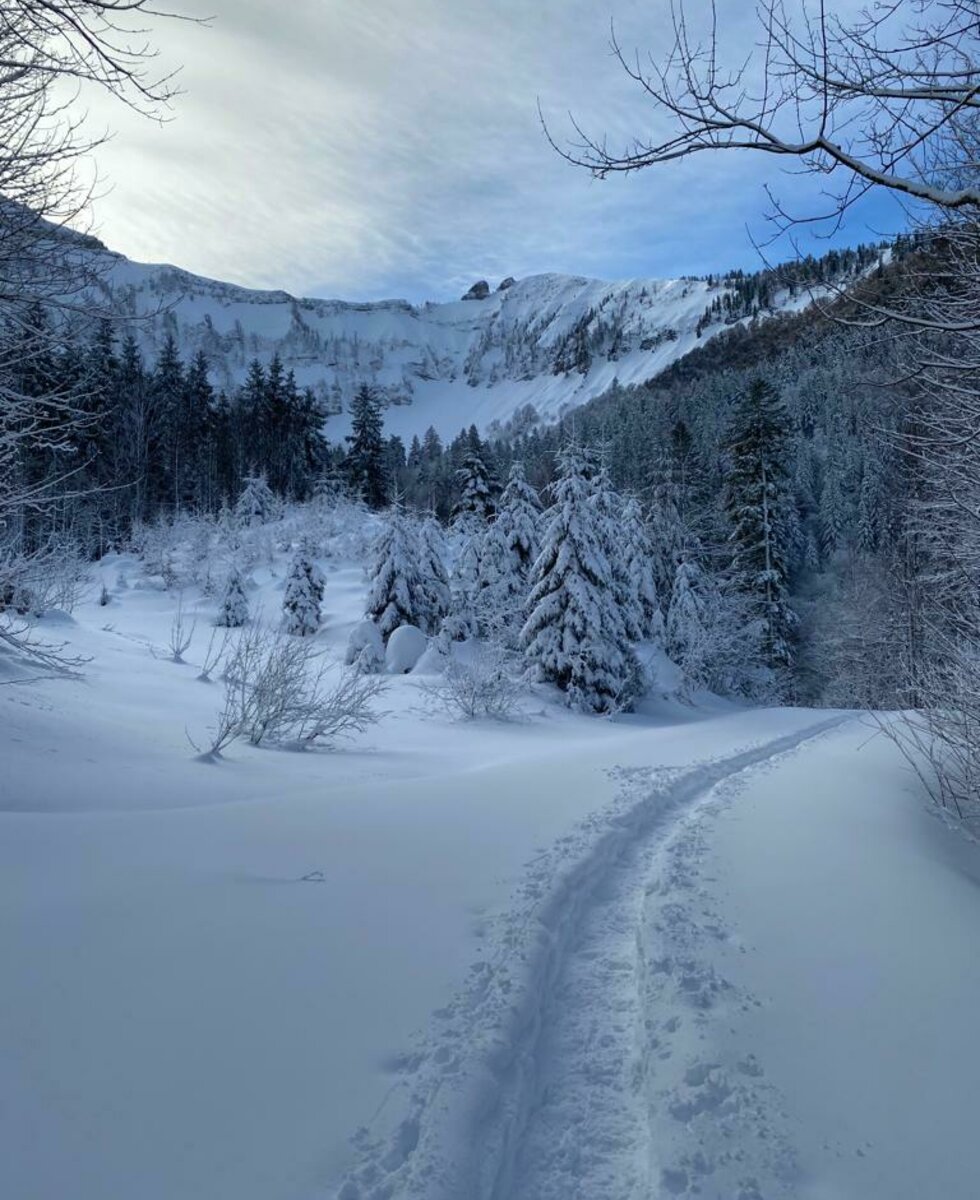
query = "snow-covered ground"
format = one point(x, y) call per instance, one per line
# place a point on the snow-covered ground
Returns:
point(718, 953)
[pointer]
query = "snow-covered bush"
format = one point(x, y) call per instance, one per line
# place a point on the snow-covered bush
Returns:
point(483, 684)
point(406, 645)
point(278, 692)
point(365, 649)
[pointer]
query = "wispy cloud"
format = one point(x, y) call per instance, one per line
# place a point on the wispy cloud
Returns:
point(392, 147)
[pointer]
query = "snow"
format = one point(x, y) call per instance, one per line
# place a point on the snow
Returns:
point(448, 365)
point(405, 647)
point(428, 960)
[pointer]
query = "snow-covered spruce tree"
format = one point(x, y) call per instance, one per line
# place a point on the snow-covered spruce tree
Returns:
point(256, 503)
point(638, 559)
point(574, 633)
point(667, 537)
point(610, 510)
point(710, 637)
point(685, 614)
point(471, 515)
point(757, 501)
point(509, 549)
point(234, 605)
point(475, 491)
point(303, 595)
point(396, 596)
point(434, 579)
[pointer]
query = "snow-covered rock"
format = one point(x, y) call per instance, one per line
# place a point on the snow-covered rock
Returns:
point(406, 646)
point(365, 648)
point(433, 661)
point(479, 291)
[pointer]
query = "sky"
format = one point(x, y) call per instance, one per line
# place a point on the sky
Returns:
point(368, 149)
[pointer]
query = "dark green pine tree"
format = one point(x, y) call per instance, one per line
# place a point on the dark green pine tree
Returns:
point(366, 455)
point(757, 502)
point(197, 486)
point(164, 463)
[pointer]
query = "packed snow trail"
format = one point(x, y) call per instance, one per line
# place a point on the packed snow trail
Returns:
point(480, 1120)
point(772, 1002)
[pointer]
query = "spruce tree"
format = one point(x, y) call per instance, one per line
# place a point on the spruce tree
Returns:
point(434, 579)
point(509, 549)
point(574, 633)
point(396, 596)
point(303, 595)
point(234, 605)
point(365, 462)
point(686, 613)
point(475, 491)
point(757, 501)
point(256, 503)
point(638, 559)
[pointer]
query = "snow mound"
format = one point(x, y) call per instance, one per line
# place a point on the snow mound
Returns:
point(365, 648)
point(406, 646)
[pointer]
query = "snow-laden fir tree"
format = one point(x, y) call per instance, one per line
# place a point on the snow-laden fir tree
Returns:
point(461, 622)
point(757, 502)
point(638, 559)
point(396, 596)
point(685, 626)
point(574, 633)
point(710, 636)
point(434, 578)
point(475, 491)
point(610, 508)
point(667, 537)
point(234, 604)
point(471, 515)
point(303, 595)
point(509, 549)
point(256, 503)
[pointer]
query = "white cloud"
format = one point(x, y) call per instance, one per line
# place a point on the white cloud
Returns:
point(379, 147)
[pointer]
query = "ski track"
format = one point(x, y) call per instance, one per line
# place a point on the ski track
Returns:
point(568, 1065)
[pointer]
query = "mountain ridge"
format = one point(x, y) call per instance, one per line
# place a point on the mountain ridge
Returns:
point(531, 351)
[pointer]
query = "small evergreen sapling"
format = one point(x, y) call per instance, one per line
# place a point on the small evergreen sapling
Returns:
point(304, 593)
point(234, 605)
point(256, 504)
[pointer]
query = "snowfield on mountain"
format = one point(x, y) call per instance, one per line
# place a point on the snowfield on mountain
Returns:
point(695, 951)
point(552, 342)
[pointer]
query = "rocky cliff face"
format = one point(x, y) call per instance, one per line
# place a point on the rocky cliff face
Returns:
point(529, 350)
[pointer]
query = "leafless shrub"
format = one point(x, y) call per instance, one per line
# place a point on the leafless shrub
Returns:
point(215, 653)
point(180, 635)
point(483, 686)
point(278, 692)
point(940, 739)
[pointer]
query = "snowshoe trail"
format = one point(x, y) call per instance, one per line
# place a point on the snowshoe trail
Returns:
point(571, 1065)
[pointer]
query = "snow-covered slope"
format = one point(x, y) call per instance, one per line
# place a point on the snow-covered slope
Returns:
point(548, 341)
